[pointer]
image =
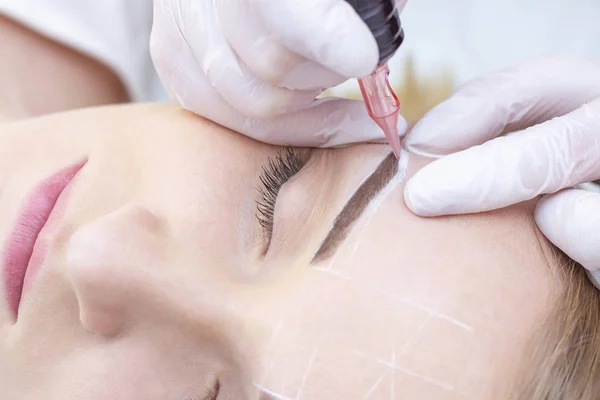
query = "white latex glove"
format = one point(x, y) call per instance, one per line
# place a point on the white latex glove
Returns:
point(558, 101)
point(256, 66)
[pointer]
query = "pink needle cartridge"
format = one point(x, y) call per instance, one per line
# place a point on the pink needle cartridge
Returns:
point(382, 104)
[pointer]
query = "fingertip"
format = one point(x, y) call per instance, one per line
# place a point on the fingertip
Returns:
point(343, 60)
point(570, 219)
point(333, 122)
point(442, 130)
point(328, 32)
point(402, 127)
point(410, 201)
point(451, 185)
point(419, 199)
point(466, 119)
point(342, 121)
point(348, 47)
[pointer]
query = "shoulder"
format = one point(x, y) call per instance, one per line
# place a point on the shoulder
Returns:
point(114, 32)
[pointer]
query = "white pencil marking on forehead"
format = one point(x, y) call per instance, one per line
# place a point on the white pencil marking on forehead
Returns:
point(368, 214)
point(393, 360)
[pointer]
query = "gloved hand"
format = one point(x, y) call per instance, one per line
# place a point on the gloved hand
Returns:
point(557, 103)
point(256, 66)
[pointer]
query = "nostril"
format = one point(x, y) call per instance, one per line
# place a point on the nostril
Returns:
point(96, 283)
point(107, 262)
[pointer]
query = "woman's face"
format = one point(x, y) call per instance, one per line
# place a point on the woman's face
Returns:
point(154, 278)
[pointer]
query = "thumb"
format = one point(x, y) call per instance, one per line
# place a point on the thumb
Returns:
point(327, 122)
point(571, 220)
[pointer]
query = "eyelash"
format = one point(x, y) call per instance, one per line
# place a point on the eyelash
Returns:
point(287, 163)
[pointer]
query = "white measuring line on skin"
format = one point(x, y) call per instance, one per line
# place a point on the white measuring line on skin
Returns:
point(397, 367)
point(370, 211)
point(271, 393)
point(267, 369)
point(329, 267)
point(377, 202)
point(280, 396)
point(374, 387)
point(434, 313)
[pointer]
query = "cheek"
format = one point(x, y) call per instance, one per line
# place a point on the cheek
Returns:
point(133, 368)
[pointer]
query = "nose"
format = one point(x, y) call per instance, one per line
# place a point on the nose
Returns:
point(103, 263)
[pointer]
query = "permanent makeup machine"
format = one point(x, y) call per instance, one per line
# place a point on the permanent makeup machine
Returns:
point(383, 19)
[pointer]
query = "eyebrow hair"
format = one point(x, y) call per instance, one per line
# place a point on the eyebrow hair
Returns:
point(356, 205)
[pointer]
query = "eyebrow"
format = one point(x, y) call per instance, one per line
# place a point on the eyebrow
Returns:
point(356, 206)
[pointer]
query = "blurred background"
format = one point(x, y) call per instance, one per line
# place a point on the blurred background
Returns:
point(449, 42)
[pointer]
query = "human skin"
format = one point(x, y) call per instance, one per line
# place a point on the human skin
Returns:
point(40, 76)
point(158, 281)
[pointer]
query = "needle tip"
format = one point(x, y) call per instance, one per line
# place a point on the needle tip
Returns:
point(389, 125)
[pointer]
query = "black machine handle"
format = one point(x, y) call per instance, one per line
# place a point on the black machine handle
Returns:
point(383, 19)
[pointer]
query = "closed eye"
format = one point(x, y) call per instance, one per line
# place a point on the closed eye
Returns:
point(278, 170)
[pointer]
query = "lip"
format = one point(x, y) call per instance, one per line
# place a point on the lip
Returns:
point(27, 245)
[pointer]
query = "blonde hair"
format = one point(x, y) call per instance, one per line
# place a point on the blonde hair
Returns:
point(564, 361)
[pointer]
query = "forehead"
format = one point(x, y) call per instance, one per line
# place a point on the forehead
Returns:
point(430, 308)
